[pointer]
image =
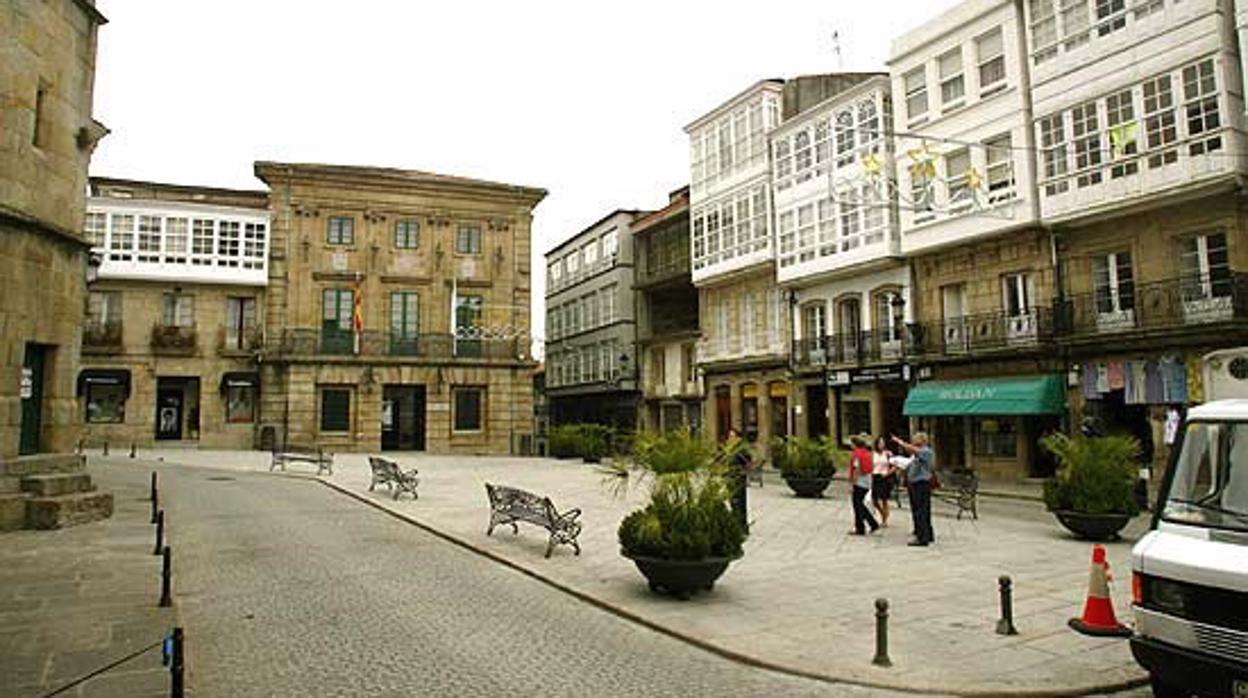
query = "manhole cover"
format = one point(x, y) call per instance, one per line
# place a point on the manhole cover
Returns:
point(221, 478)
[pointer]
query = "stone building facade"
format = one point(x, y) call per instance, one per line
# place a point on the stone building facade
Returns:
point(174, 320)
point(46, 138)
point(591, 328)
point(397, 311)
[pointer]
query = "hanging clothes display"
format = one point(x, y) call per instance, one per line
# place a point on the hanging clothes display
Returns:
point(1089, 383)
point(1102, 378)
point(1117, 381)
point(1154, 385)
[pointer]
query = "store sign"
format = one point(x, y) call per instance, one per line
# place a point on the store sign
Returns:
point(28, 383)
point(838, 378)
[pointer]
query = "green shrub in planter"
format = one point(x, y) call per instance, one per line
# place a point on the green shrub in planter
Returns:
point(688, 517)
point(565, 441)
point(806, 459)
point(1096, 475)
point(594, 441)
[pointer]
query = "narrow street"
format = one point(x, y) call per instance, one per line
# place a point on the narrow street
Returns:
point(286, 588)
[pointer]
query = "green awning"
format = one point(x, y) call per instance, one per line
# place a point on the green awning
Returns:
point(1043, 394)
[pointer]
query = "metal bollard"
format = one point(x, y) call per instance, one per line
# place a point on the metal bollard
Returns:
point(155, 504)
point(166, 578)
point(178, 665)
point(1005, 626)
point(153, 497)
point(160, 532)
point(881, 634)
point(132, 449)
point(106, 448)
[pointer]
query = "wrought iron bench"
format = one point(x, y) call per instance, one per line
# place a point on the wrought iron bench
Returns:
point(387, 472)
point(323, 460)
point(509, 505)
point(960, 487)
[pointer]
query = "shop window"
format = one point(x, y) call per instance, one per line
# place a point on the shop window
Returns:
point(468, 407)
point(240, 404)
point(336, 409)
point(106, 403)
point(996, 437)
point(855, 418)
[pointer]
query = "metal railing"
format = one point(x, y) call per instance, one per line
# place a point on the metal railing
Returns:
point(869, 346)
point(230, 340)
point(372, 343)
point(1170, 304)
point(102, 336)
point(979, 333)
point(174, 339)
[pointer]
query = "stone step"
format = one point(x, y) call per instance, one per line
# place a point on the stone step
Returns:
point(68, 509)
point(13, 511)
point(57, 484)
point(10, 485)
point(43, 464)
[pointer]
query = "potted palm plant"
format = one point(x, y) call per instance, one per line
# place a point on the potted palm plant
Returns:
point(807, 465)
point(686, 535)
point(1093, 493)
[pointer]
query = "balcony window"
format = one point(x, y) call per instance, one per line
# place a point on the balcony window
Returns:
point(725, 145)
point(1200, 105)
point(712, 235)
point(783, 155)
point(952, 85)
point(916, 95)
point(868, 125)
point(921, 197)
point(758, 142)
point(1019, 298)
point(823, 142)
point(1123, 136)
point(844, 137)
point(177, 310)
point(726, 221)
point(406, 234)
point(337, 308)
point(890, 318)
point(468, 319)
point(1111, 15)
point(850, 230)
point(1075, 23)
point(695, 163)
point(957, 180)
point(746, 319)
point(710, 156)
point(806, 231)
point(229, 243)
point(253, 245)
point(203, 240)
point(849, 325)
point(121, 237)
point(814, 321)
point(1085, 127)
point(740, 138)
point(335, 409)
point(1160, 122)
point(94, 228)
point(1205, 267)
point(104, 308)
point(340, 231)
point(1053, 149)
point(827, 226)
point(404, 322)
point(1113, 286)
point(1000, 166)
point(953, 308)
point(743, 221)
point(1043, 21)
point(758, 220)
point(177, 240)
point(803, 157)
point(989, 51)
point(240, 322)
point(468, 240)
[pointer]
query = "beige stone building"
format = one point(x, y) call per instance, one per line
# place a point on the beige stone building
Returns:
point(397, 311)
point(46, 138)
point(173, 331)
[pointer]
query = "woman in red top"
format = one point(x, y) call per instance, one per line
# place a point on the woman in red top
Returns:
point(861, 468)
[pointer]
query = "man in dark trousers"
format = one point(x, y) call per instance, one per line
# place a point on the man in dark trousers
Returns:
point(919, 476)
point(738, 453)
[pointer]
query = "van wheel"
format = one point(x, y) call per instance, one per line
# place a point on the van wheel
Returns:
point(1161, 689)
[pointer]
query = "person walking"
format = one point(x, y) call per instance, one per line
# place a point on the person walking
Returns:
point(883, 478)
point(919, 476)
point(739, 458)
point(860, 471)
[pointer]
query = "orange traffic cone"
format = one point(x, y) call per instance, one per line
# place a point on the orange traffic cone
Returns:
point(1098, 612)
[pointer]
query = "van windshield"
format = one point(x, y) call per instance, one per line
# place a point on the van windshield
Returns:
point(1210, 486)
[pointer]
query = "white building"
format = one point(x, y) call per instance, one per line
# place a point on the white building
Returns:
point(838, 253)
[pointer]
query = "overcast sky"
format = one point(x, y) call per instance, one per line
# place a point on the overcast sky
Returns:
point(585, 99)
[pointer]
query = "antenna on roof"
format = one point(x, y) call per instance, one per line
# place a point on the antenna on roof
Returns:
point(836, 48)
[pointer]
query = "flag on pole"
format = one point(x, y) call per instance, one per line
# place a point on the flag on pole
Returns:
point(454, 307)
point(357, 314)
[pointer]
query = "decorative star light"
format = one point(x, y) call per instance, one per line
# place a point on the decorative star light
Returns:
point(923, 162)
point(974, 180)
point(872, 165)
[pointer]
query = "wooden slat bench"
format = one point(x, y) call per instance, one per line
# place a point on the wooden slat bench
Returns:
point(509, 505)
point(323, 460)
point(387, 472)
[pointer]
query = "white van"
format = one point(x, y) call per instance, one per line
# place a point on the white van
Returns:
point(1190, 572)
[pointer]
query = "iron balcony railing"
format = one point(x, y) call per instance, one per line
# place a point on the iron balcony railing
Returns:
point(234, 340)
point(1170, 304)
point(870, 346)
point(372, 343)
point(174, 339)
point(983, 332)
point(102, 337)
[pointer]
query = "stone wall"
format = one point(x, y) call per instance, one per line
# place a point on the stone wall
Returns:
point(981, 266)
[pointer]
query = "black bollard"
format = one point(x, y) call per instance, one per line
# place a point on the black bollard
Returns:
point(160, 532)
point(1005, 626)
point(155, 504)
point(106, 448)
point(153, 497)
point(132, 449)
point(178, 663)
point(881, 634)
point(166, 578)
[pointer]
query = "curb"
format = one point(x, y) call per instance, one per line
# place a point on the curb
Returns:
point(715, 649)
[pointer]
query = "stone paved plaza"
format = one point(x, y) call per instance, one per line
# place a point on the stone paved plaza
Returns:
point(801, 598)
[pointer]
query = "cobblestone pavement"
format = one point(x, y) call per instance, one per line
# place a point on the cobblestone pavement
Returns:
point(77, 599)
point(287, 588)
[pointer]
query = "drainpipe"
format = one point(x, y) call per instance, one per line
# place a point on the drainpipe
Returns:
point(1241, 35)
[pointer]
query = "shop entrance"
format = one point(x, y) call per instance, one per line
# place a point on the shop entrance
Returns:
point(1111, 415)
point(950, 441)
point(817, 411)
point(403, 418)
point(32, 398)
point(723, 412)
point(177, 408)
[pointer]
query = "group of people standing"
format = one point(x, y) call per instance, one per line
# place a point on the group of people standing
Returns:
point(874, 472)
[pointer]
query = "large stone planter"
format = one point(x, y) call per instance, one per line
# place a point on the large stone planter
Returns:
point(808, 487)
point(1099, 527)
point(680, 578)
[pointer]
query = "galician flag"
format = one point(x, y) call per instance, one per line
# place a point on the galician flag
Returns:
point(357, 314)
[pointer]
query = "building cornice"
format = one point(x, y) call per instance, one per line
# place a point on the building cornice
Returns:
point(765, 85)
point(273, 173)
